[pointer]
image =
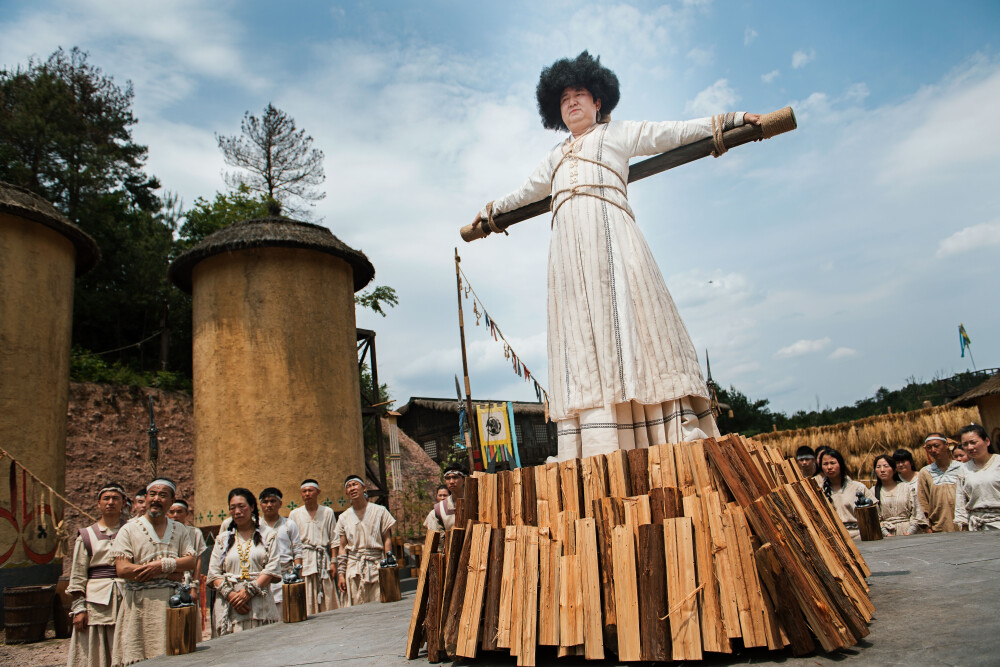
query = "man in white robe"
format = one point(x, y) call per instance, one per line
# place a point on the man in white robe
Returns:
point(152, 553)
point(287, 535)
point(442, 515)
point(364, 535)
point(316, 525)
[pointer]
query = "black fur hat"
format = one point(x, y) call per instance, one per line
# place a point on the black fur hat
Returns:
point(584, 71)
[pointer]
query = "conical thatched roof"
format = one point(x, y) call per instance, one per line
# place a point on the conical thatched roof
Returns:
point(989, 388)
point(17, 201)
point(273, 232)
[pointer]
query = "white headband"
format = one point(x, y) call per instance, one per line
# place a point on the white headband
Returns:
point(306, 485)
point(179, 504)
point(934, 437)
point(161, 482)
point(111, 487)
point(353, 478)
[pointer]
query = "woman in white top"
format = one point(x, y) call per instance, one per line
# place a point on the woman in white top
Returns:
point(977, 493)
point(841, 490)
point(897, 500)
point(244, 564)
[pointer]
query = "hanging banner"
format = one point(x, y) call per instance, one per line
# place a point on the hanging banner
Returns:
point(495, 436)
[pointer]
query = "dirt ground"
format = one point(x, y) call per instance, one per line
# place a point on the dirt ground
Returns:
point(49, 653)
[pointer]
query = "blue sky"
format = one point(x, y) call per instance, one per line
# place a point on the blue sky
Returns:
point(815, 267)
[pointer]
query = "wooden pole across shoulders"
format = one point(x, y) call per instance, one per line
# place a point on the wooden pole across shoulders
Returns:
point(771, 124)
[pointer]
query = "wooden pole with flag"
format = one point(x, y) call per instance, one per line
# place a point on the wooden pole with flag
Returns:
point(473, 451)
point(966, 343)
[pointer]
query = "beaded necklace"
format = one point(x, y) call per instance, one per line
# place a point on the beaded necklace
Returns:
point(243, 551)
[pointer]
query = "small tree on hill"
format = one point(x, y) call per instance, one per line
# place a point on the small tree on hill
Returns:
point(274, 159)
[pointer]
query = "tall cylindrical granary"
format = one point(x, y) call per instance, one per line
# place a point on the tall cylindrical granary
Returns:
point(41, 252)
point(276, 386)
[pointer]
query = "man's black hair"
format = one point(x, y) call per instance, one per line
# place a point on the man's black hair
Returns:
point(584, 71)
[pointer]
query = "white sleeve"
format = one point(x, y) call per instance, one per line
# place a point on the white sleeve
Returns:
point(537, 187)
point(295, 539)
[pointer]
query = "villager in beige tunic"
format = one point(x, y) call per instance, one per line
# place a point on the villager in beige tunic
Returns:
point(93, 577)
point(317, 535)
point(239, 562)
point(936, 497)
point(977, 495)
point(442, 515)
point(844, 500)
point(363, 541)
point(142, 615)
point(897, 509)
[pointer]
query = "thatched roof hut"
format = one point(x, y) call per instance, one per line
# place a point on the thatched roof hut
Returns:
point(860, 441)
point(272, 232)
point(20, 202)
point(986, 399)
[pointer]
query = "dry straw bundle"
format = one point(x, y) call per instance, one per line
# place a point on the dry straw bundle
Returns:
point(862, 440)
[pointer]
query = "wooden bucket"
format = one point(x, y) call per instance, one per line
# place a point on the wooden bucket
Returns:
point(293, 602)
point(388, 583)
point(26, 612)
point(868, 524)
point(182, 630)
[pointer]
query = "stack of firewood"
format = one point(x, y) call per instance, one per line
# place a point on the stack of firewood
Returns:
point(651, 554)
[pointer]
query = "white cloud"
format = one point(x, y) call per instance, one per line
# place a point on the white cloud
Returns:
point(770, 76)
point(970, 238)
point(802, 58)
point(701, 57)
point(749, 35)
point(843, 353)
point(800, 347)
point(718, 97)
point(857, 92)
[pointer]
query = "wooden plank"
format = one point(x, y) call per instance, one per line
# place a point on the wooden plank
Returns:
point(571, 628)
point(566, 531)
point(505, 491)
point(604, 519)
point(682, 587)
point(528, 590)
point(727, 575)
point(618, 475)
point(549, 553)
point(626, 593)
point(653, 625)
point(654, 468)
point(415, 636)
point(517, 497)
point(471, 505)
point(553, 488)
point(780, 596)
point(494, 582)
point(542, 517)
point(453, 540)
point(637, 512)
point(507, 588)
point(454, 613)
point(488, 510)
point(586, 548)
point(529, 504)
point(747, 621)
point(638, 468)
point(570, 487)
point(763, 616)
point(713, 632)
point(432, 619)
point(595, 481)
point(475, 587)
point(685, 475)
point(665, 503)
point(699, 465)
point(668, 466)
point(836, 527)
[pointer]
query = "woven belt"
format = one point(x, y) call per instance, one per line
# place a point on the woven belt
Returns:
point(102, 572)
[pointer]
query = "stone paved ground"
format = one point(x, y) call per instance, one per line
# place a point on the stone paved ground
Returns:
point(937, 600)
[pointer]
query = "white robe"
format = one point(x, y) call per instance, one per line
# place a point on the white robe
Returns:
point(623, 372)
point(317, 539)
point(92, 647)
point(365, 549)
point(262, 557)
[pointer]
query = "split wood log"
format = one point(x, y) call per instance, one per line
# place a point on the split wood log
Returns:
point(605, 519)
point(505, 492)
point(455, 604)
point(517, 497)
point(595, 481)
point(571, 487)
point(494, 582)
point(507, 588)
point(665, 503)
point(475, 587)
point(772, 124)
point(626, 594)
point(779, 592)
point(435, 596)
point(637, 512)
point(732, 590)
point(758, 603)
point(529, 504)
point(415, 635)
point(638, 468)
point(488, 511)
point(590, 582)
point(566, 531)
point(471, 505)
point(182, 630)
point(868, 523)
point(653, 624)
point(388, 584)
point(713, 632)
point(293, 606)
point(682, 589)
point(453, 540)
point(618, 475)
point(549, 555)
point(528, 593)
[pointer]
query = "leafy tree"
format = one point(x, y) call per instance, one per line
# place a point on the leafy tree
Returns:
point(206, 217)
point(275, 159)
point(377, 298)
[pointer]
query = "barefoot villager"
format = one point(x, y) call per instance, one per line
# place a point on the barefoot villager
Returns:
point(364, 534)
point(977, 493)
point(92, 583)
point(936, 486)
point(316, 524)
point(244, 564)
point(623, 372)
point(442, 515)
point(286, 533)
point(897, 500)
point(151, 553)
point(841, 490)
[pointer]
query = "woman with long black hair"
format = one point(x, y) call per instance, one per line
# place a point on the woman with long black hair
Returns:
point(897, 500)
point(244, 564)
point(841, 490)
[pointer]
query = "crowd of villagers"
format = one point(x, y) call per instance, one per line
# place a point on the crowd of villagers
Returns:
point(141, 552)
point(958, 489)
